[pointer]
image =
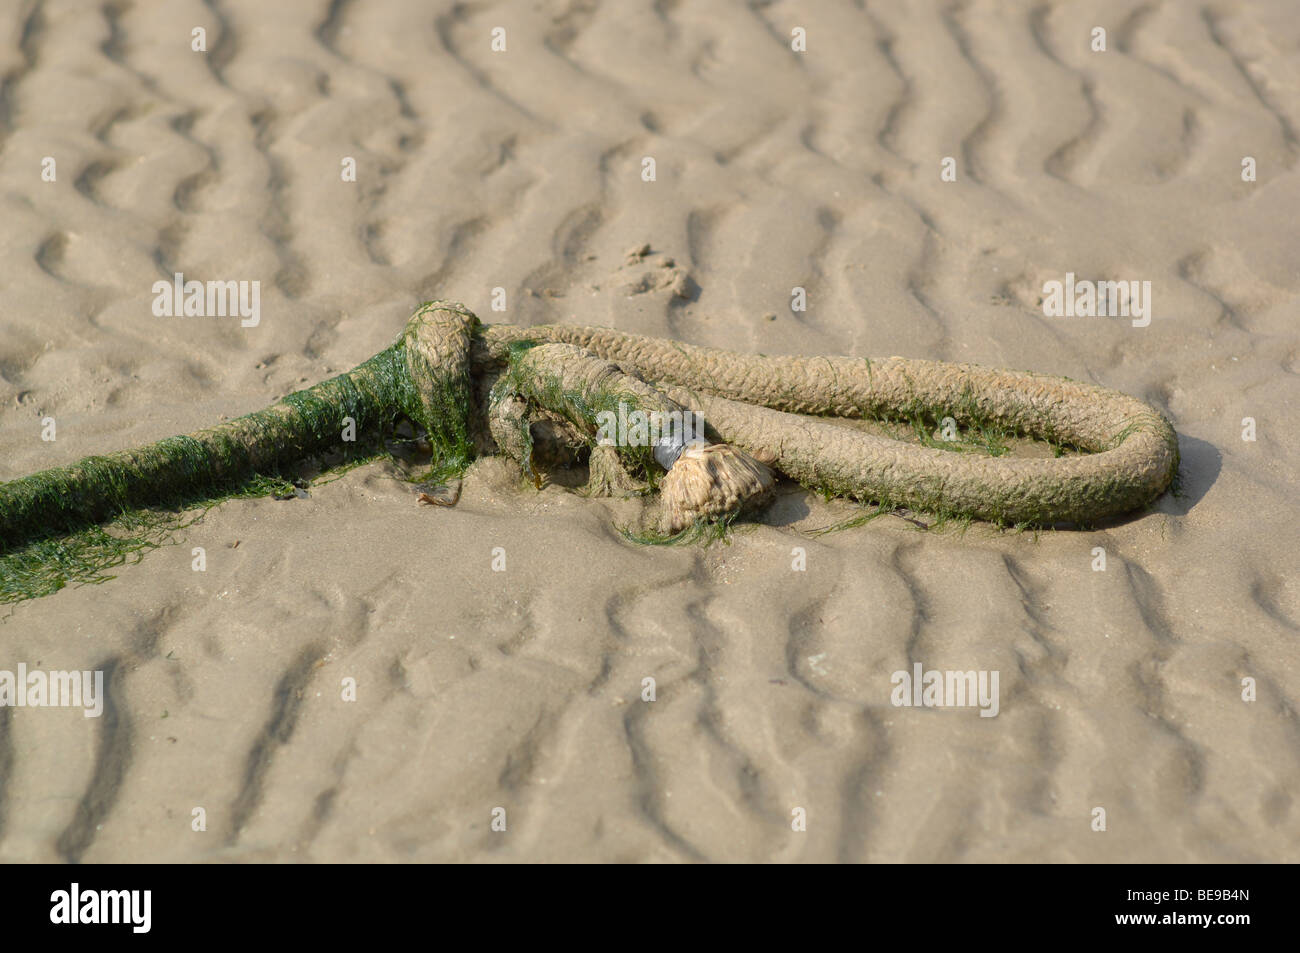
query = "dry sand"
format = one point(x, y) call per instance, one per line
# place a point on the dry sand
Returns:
point(1120, 689)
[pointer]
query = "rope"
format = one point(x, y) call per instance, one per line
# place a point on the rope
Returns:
point(771, 409)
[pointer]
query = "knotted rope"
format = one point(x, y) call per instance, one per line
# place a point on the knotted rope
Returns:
point(462, 381)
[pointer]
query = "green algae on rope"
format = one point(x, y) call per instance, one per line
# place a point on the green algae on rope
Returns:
point(764, 408)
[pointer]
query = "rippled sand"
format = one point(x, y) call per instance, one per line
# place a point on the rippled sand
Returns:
point(476, 690)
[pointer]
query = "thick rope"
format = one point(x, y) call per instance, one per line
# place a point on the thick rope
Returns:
point(1133, 449)
point(766, 406)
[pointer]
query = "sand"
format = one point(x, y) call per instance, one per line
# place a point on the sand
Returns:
point(522, 689)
